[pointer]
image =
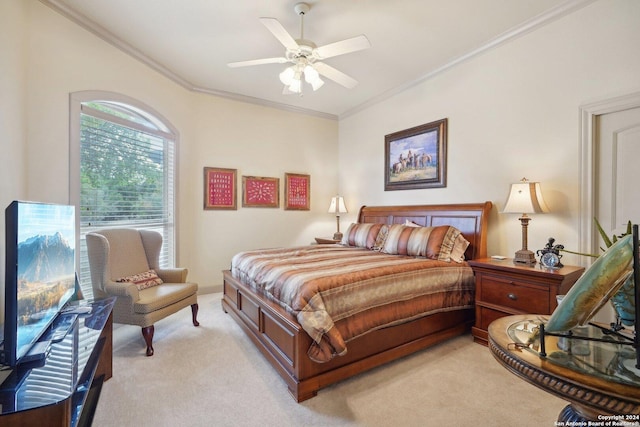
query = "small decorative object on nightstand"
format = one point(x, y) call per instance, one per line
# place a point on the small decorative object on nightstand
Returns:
point(550, 255)
point(504, 288)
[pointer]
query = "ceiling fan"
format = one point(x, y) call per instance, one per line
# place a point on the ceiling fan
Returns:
point(306, 57)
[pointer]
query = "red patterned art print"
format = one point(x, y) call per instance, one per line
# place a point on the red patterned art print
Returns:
point(220, 188)
point(297, 189)
point(260, 192)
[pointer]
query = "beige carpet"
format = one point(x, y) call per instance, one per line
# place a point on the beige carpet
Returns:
point(213, 376)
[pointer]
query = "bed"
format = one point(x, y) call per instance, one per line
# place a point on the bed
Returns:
point(303, 362)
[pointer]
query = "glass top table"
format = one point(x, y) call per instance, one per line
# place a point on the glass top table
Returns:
point(599, 379)
point(612, 359)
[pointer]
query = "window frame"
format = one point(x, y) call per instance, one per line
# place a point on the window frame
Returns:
point(164, 129)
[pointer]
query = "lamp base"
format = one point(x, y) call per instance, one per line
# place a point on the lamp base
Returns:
point(524, 256)
point(337, 236)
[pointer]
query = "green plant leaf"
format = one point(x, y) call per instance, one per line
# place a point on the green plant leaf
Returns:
point(604, 236)
point(607, 241)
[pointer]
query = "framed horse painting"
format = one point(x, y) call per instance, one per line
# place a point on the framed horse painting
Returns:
point(416, 157)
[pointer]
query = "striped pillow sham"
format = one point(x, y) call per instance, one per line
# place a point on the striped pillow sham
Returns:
point(361, 235)
point(443, 243)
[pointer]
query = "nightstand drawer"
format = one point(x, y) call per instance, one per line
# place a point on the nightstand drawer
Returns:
point(514, 294)
point(504, 288)
point(487, 316)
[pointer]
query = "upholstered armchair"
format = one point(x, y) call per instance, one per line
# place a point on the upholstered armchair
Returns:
point(124, 264)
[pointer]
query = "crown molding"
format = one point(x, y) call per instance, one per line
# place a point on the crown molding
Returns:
point(526, 27)
point(102, 33)
point(264, 102)
point(110, 38)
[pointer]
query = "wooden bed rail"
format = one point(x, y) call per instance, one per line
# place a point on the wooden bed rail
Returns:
point(284, 343)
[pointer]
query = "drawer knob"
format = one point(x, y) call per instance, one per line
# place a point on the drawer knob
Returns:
point(512, 296)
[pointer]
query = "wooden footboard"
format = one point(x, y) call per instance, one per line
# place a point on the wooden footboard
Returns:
point(284, 343)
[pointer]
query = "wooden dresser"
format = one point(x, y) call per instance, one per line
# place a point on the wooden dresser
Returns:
point(504, 288)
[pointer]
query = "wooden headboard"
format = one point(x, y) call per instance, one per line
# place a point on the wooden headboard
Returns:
point(469, 218)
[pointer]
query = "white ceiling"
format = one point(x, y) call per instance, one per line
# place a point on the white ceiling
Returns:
point(191, 41)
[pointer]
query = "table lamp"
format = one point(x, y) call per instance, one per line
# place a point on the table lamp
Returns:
point(525, 197)
point(337, 206)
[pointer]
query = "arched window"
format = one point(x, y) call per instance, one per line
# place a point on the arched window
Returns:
point(123, 168)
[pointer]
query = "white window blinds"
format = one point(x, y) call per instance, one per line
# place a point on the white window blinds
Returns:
point(127, 177)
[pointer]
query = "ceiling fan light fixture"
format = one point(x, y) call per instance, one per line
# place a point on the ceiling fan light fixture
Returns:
point(303, 54)
point(287, 76)
point(296, 85)
point(312, 77)
point(317, 84)
point(310, 74)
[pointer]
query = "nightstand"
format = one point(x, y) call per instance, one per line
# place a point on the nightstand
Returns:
point(504, 288)
point(326, 240)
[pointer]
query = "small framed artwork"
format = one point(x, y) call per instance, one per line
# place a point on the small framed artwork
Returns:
point(297, 190)
point(220, 188)
point(416, 158)
point(260, 192)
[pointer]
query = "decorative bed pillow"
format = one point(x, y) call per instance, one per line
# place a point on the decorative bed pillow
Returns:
point(361, 235)
point(459, 248)
point(430, 242)
point(381, 237)
point(143, 280)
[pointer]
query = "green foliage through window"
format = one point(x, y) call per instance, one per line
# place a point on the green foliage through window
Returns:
point(122, 173)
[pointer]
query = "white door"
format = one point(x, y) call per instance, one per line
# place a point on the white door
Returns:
point(617, 173)
point(618, 169)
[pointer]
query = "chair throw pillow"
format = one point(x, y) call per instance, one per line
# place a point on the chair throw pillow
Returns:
point(143, 280)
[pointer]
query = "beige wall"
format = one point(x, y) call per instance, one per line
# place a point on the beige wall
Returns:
point(45, 57)
point(12, 106)
point(512, 113)
point(257, 141)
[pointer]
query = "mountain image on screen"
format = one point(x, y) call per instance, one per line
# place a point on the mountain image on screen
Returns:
point(46, 275)
point(45, 257)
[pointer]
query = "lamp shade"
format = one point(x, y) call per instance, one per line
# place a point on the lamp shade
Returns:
point(525, 197)
point(337, 205)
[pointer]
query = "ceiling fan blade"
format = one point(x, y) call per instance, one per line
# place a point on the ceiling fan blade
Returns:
point(280, 33)
point(345, 46)
point(335, 75)
point(279, 60)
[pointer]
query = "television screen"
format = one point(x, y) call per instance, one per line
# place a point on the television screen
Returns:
point(40, 271)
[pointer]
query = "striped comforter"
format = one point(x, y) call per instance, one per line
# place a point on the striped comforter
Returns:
point(338, 293)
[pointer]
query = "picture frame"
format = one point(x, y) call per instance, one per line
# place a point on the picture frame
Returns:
point(417, 157)
point(297, 191)
point(220, 190)
point(260, 192)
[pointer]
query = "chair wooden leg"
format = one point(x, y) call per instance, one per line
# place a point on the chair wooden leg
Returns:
point(194, 314)
point(147, 333)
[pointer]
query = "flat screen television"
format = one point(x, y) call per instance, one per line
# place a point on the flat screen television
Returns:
point(39, 272)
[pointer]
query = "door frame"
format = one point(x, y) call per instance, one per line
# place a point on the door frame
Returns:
point(588, 156)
